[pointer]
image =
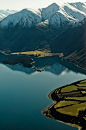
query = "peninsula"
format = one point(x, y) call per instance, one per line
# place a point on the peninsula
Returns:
point(25, 61)
point(69, 104)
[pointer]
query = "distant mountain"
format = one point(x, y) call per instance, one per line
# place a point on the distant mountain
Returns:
point(55, 15)
point(64, 14)
point(56, 28)
point(26, 17)
point(5, 13)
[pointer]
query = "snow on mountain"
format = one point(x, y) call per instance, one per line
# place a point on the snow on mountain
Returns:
point(43, 24)
point(5, 13)
point(75, 13)
point(64, 14)
point(49, 11)
point(26, 17)
point(80, 6)
point(56, 15)
point(60, 19)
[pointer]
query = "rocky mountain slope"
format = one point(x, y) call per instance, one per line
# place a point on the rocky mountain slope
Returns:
point(72, 42)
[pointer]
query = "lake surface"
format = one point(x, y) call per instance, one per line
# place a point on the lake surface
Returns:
point(24, 94)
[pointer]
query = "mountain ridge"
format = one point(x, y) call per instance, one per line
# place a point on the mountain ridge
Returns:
point(55, 14)
point(62, 31)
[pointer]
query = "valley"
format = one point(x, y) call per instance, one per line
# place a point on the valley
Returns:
point(50, 40)
point(44, 37)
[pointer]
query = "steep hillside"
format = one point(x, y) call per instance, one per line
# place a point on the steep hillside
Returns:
point(24, 39)
point(72, 44)
point(56, 28)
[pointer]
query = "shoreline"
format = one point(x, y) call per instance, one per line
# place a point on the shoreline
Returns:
point(50, 111)
point(61, 58)
point(25, 61)
point(70, 65)
point(74, 64)
point(50, 97)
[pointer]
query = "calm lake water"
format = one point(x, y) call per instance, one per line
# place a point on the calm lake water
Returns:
point(23, 95)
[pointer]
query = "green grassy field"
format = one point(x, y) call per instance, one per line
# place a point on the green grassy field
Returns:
point(84, 81)
point(84, 88)
point(81, 85)
point(69, 88)
point(72, 110)
point(70, 105)
point(77, 98)
point(74, 100)
point(64, 103)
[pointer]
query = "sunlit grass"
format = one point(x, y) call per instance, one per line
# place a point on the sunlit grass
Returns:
point(84, 81)
point(39, 53)
point(69, 88)
point(64, 103)
point(72, 110)
point(77, 98)
point(84, 88)
point(81, 85)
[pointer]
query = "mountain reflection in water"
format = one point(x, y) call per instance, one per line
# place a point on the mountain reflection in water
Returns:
point(55, 69)
point(23, 96)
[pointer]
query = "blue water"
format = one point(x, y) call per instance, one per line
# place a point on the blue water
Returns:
point(23, 96)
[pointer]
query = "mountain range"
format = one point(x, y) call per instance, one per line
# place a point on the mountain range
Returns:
point(55, 15)
point(5, 13)
point(58, 28)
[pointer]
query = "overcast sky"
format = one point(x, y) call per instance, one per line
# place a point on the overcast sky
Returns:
point(21, 4)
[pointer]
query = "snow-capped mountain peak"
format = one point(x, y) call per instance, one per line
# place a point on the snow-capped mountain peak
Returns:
point(55, 15)
point(26, 17)
point(49, 11)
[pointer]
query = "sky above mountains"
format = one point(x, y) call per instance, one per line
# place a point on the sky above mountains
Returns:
point(21, 4)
